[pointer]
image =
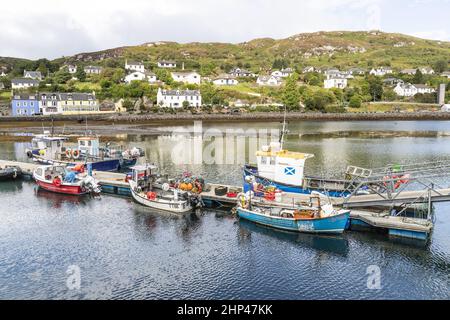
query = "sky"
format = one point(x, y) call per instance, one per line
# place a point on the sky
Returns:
point(55, 28)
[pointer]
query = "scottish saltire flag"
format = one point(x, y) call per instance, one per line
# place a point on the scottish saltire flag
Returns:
point(289, 171)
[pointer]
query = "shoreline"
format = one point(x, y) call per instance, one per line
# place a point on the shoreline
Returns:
point(151, 118)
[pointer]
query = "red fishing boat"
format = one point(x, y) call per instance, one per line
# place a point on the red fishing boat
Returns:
point(59, 179)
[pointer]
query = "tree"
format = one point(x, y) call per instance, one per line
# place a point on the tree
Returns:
point(291, 94)
point(128, 105)
point(319, 100)
point(280, 64)
point(418, 77)
point(185, 104)
point(80, 74)
point(62, 76)
point(355, 102)
point(440, 66)
point(375, 88)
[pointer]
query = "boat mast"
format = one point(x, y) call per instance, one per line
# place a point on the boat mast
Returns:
point(283, 130)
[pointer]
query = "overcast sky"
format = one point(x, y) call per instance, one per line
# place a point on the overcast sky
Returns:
point(53, 28)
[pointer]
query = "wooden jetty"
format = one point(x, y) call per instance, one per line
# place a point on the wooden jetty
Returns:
point(399, 226)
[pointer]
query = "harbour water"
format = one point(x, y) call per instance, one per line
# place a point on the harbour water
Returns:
point(126, 251)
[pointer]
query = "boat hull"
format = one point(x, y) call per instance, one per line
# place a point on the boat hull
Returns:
point(334, 224)
point(168, 207)
point(251, 171)
point(9, 174)
point(102, 165)
point(63, 189)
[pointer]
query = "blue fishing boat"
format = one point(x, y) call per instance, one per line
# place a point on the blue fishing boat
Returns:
point(298, 220)
point(49, 149)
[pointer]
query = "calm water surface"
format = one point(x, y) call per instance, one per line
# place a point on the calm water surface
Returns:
point(126, 251)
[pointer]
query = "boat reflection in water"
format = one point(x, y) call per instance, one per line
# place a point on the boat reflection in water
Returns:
point(11, 186)
point(57, 200)
point(335, 244)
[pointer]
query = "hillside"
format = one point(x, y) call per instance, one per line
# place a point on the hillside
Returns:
point(338, 49)
point(334, 49)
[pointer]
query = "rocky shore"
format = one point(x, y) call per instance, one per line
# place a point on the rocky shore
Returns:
point(252, 116)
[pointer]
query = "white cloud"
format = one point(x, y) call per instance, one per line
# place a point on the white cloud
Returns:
point(51, 28)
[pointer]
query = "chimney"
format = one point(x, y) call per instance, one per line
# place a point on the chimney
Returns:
point(441, 94)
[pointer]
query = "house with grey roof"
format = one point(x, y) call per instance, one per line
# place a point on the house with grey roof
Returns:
point(134, 66)
point(409, 71)
point(225, 80)
point(167, 64)
point(24, 83)
point(93, 70)
point(357, 71)
point(32, 75)
point(241, 73)
point(176, 98)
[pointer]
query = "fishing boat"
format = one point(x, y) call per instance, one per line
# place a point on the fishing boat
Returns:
point(10, 173)
point(166, 199)
point(284, 170)
point(304, 218)
point(48, 149)
point(57, 178)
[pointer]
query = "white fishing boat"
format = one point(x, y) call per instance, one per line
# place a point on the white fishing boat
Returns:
point(165, 199)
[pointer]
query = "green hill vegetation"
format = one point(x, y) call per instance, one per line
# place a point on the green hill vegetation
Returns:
point(339, 49)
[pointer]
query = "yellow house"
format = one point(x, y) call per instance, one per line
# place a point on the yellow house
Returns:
point(77, 102)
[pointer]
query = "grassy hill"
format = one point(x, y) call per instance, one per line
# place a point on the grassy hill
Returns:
point(339, 49)
point(334, 49)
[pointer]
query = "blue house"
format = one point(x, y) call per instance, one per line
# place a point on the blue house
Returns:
point(24, 104)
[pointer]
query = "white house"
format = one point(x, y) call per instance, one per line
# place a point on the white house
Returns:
point(186, 77)
point(72, 69)
point(335, 82)
point(283, 73)
point(24, 83)
point(426, 70)
point(409, 71)
point(381, 71)
point(134, 66)
point(357, 71)
point(410, 90)
point(241, 73)
point(422, 88)
point(141, 76)
point(175, 98)
point(167, 64)
point(268, 81)
point(405, 89)
point(445, 108)
point(93, 70)
point(446, 74)
point(3, 74)
point(308, 69)
point(32, 74)
point(225, 80)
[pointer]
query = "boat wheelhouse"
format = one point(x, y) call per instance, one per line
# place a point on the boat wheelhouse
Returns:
point(285, 170)
point(57, 178)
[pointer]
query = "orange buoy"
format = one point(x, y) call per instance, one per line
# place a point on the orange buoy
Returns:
point(57, 182)
point(151, 195)
point(79, 168)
